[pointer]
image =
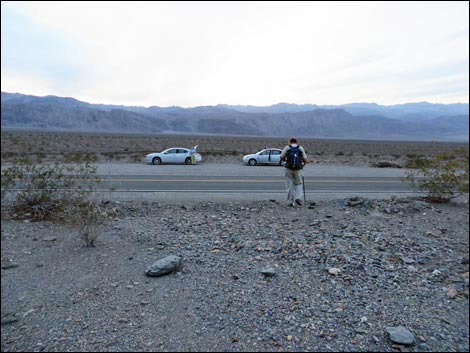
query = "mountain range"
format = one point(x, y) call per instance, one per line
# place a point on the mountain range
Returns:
point(412, 121)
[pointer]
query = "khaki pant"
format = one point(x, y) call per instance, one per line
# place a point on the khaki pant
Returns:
point(293, 184)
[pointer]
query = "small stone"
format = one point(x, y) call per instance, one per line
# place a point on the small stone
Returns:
point(9, 318)
point(451, 293)
point(8, 266)
point(400, 335)
point(397, 346)
point(164, 266)
point(268, 271)
point(50, 239)
point(334, 271)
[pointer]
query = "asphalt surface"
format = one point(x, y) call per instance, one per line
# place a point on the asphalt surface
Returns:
point(218, 182)
point(249, 184)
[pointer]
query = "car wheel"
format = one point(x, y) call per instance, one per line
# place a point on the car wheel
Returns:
point(187, 161)
point(156, 161)
point(252, 162)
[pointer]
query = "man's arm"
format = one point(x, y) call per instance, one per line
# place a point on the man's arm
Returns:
point(304, 155)
point(283, 153)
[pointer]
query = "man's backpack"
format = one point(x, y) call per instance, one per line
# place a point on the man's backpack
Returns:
point(294, 158)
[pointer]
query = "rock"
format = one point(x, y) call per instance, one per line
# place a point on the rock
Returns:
point(354, 201)
point(386, 164)
point(50, 239)
point(268, 271)
point(334, 271)
point(400, 335)
point(9, 265)
point(451, 293)
point(164, 266)
point(407, 260)
point(9, 318)
point(349, 235)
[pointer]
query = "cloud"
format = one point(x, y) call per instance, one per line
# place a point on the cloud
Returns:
point(184, 53)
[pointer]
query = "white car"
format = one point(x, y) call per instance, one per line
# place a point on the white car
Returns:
point(174, 155)
point(267, 156)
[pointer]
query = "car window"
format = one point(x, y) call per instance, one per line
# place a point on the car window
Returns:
point(264, 153)
point(181, 150)
point(173, 150)
point(274, 152)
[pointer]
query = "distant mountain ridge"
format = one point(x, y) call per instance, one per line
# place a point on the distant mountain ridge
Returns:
point(411, 121)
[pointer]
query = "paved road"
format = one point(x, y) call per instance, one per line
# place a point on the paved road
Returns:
point(250, 184)
point(217, 182)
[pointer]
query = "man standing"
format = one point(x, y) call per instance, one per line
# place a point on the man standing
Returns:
point(192, 153)
point(295, 158)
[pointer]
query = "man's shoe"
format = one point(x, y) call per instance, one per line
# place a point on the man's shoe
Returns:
point(298, 202)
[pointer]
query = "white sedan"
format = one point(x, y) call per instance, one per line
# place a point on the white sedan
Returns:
point(267, 156)
point(174, 155)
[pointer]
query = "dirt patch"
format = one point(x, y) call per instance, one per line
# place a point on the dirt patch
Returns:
point(81, 147)
point(340, 273)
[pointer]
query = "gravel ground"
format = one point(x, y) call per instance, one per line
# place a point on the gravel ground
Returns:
point(337, 275)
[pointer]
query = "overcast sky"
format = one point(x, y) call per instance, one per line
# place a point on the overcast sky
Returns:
point(206, 53)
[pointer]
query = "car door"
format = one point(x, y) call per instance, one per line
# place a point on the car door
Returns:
point(170, 156)
point(263, 156)
point(181, 155)
point(275, 156)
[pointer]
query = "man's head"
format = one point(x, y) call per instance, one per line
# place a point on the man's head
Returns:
point(292, 140)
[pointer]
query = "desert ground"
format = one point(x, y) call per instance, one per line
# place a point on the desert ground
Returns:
point(64, 147)
point(348, 274)
point(256, 276)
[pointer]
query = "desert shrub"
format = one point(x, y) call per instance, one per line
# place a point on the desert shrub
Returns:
point(88, 215)
point(90, 158)
point(418, 162)
point(57, 193)
point(45, 191)
point(84, 158)
point(442, 177)
point(213, 153)
point(109, 156)
point(137, 158)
